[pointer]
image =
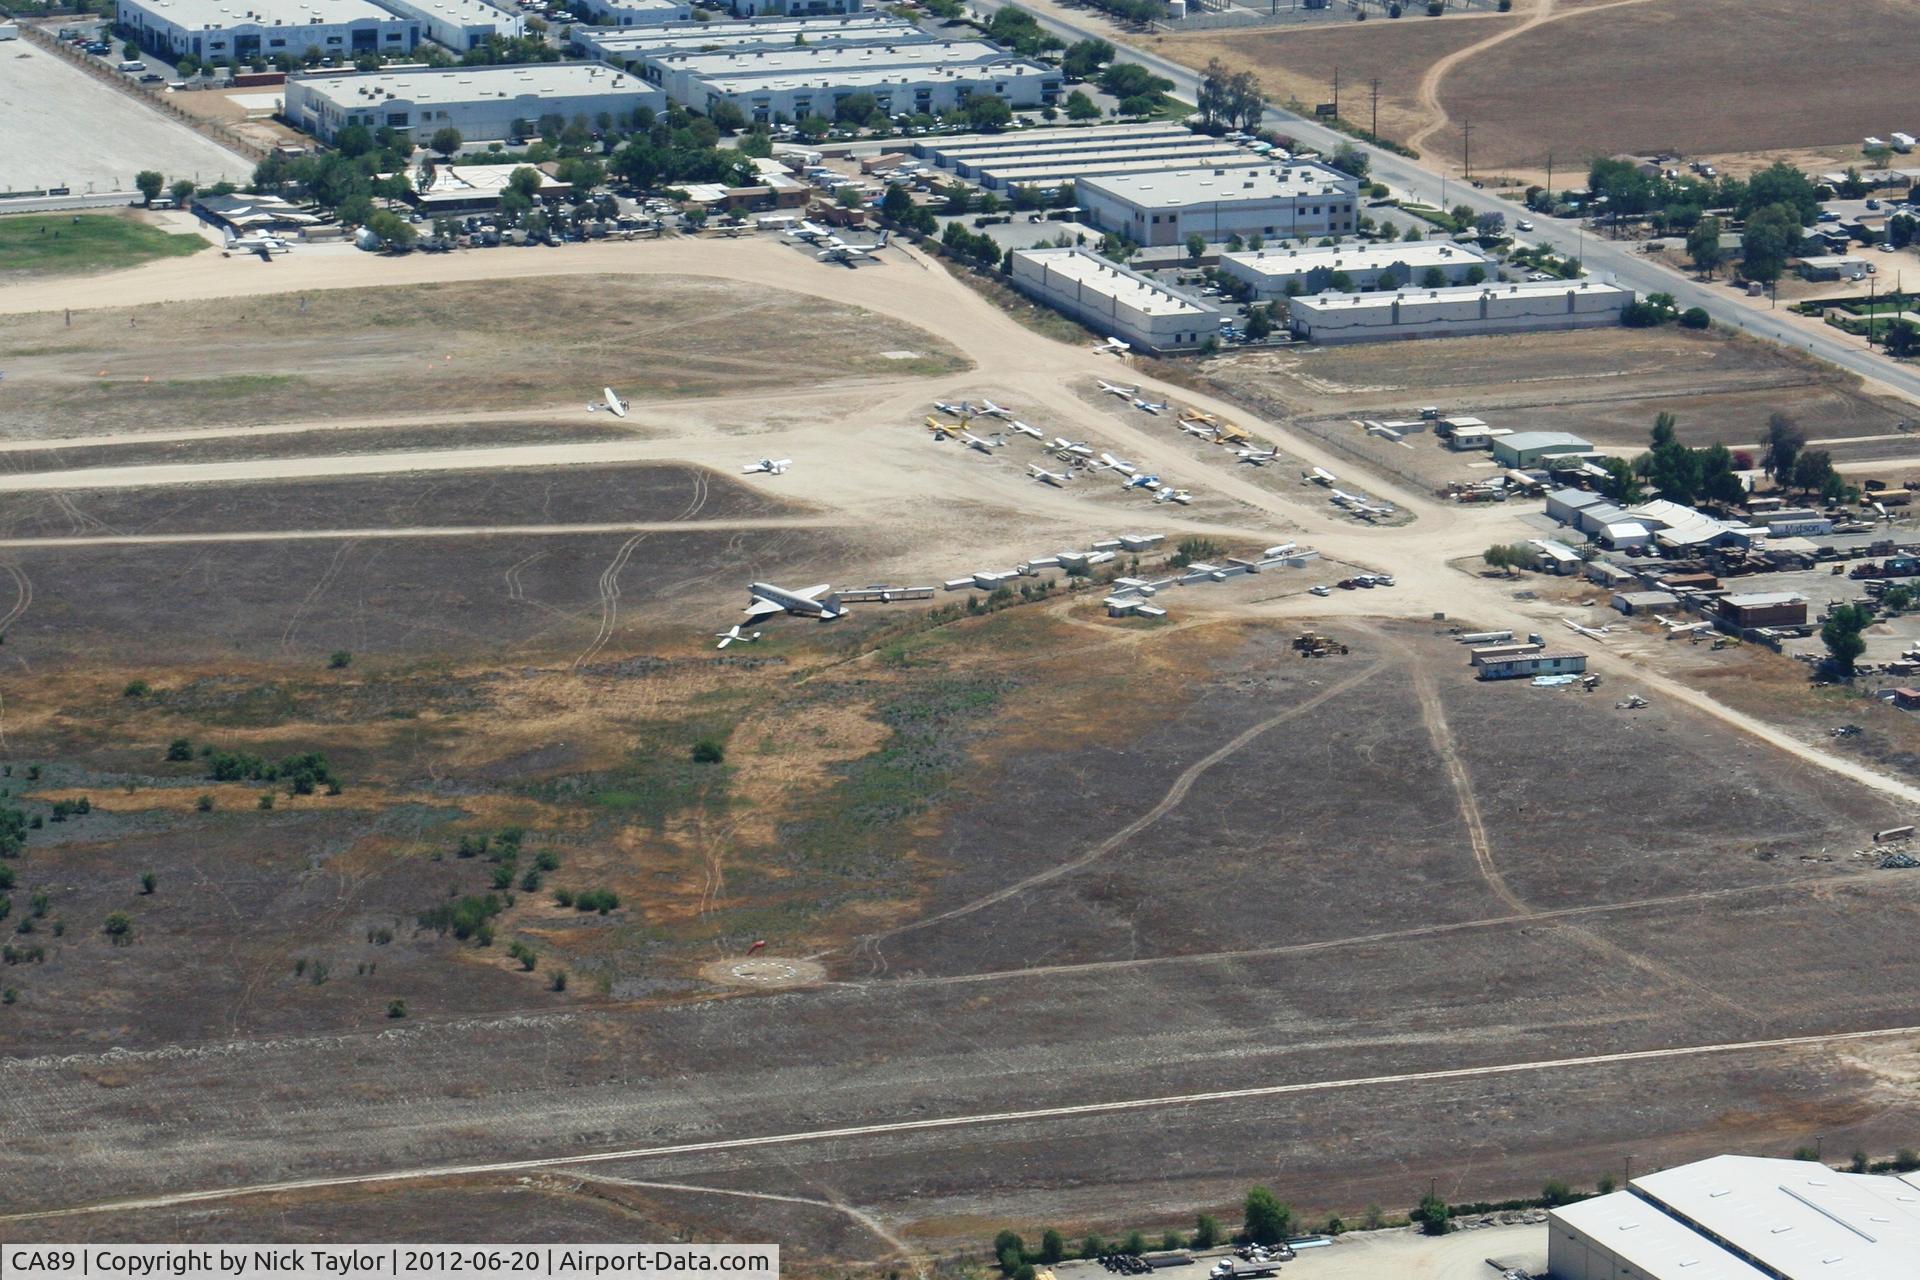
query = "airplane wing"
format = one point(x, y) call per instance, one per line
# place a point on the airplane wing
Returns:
point(812, 592)
point(761, 607)
point(614, 404)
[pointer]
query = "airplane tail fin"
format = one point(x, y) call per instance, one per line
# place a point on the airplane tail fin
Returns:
point(831, 608)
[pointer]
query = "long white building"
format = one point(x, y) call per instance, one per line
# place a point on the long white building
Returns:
point(1742, 1218)
point(460, 25)
point(1458, 312)
point(1297, 199)
point(1309, 269)
point(640, 13)
point(243, 30)
point(1114, 300)
point(639, 46)
point(799, 81)
point(483, 103)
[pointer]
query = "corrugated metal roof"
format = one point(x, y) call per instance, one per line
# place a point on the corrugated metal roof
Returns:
point(1647, 1239)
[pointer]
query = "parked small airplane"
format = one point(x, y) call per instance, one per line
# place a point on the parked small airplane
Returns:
point(988, 409)
point(1202, 430)
point(1180, 496)
point(772, 466)
point(973, 441)
point(845, 254)
point(1191, 414)
point(1257, 457)
point(733, 633)
point(257, 242)
point(1319, 476)
point(964, 409)
point(1026, 430)
point(1150, 406)
point(1045, 476)
point(1115, 389)
point(1110, 463)
point(1112, 346)
point(810, 232)
point(1230, 434)
point(764, 599)
point(613, 404)
point(1140, 482)
point(945, 430)
point(1070, 449)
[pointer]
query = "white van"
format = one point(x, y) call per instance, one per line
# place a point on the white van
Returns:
point(133, 66)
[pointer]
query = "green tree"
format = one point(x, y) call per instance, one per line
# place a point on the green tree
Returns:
point(1268, 1221)
point(1081, 107)
point(396, 1008)
point(149, 181)
point(1785, 440)
point(1196, 247)
point(1433, 1215)
point(182, 192)
point(1010, 1250)
point(987, 112)
point(708, 751)
point(1433, 278)
point(1350, 160)
point(727, 116)
point(1084, 59)
point(1622, 485)
point(446, 140)
point(1259, 323)
point(1206, 1232)
point(1811, 470)
point(119, 928)
point(1703, 246)
point(897, 204)
point(1782, 184)
point(1841, 634)
point(1903, 339)
point(1772, 235)
point(394, 232)
point(148, 882)
point(1053, 1246)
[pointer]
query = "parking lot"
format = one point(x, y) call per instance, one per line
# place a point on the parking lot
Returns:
point(65, 129)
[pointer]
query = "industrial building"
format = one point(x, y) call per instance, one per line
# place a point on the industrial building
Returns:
point(1114, 300)
point(1283, 271)
point(800, 81)
point(1530, 448)
point(640, 13)
point(1021, 171)
point(244, 30)
point(635, 46)
point(1218, 203)
point(1742, 1218)
point(1526, 307)
point(460, 25)
point(793, 8)
point(483, 103)
point(945, 152)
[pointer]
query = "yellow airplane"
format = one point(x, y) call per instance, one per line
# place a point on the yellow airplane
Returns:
point(946, 430)
point(1191, 414)
point(1230, 434)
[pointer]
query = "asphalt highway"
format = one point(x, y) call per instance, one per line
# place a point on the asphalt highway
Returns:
point(1604, 259)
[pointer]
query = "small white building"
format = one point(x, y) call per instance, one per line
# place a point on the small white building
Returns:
point(1524, 307)
point(484, 103)
point(242, 32)
point(1274, 271)
point(1294, 200)
point(1556, 557)
point(1114, 300)
point(460, 25)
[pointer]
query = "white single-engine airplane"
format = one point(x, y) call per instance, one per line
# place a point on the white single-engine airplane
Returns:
point(811, 232)
point(772, 466)
point(1150, 406)
point(613, 404)
point(1257, 457)
point(1045, 476)
point(733, 633)
point(973, 441)
point(1112, 346)
point(988, 409)
point(1026, 430)
point(765, 599)
point(1115, 389)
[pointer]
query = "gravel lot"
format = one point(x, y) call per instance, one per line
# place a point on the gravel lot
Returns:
point(66, 129)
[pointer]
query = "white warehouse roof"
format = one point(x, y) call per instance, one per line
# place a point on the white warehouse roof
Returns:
point(1208, 186)
point(451, 85)
point(1095, 273)
point(266, 13)
point(1796, 1218)
point(1517, 291)
point(1354, 257)
point(1642, 1236)
point(835, 60)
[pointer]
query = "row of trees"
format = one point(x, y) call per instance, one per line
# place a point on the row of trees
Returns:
point(1230, 99)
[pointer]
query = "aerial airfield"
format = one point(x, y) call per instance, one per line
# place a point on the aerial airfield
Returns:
point(805, 756)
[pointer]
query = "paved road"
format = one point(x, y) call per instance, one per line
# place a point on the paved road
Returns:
point(1603, 258)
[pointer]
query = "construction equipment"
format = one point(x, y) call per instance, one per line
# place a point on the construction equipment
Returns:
point(1311, 644)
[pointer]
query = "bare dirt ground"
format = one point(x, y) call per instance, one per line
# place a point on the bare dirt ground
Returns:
point(1581, 80)
point(1110, 919)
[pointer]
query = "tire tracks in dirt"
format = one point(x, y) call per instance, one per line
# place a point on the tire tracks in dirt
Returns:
point(1176, 793)
point(1433, 715)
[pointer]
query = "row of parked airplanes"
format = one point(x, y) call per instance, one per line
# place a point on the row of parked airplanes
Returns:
point(1199, 424)
point(831, 247)
point(1078, 455)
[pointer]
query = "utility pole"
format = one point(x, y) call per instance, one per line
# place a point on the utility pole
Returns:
point(1374, 127)
point(1466, 148)
point(1872, 290)
point(1336, 93)
point(1549, 179)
